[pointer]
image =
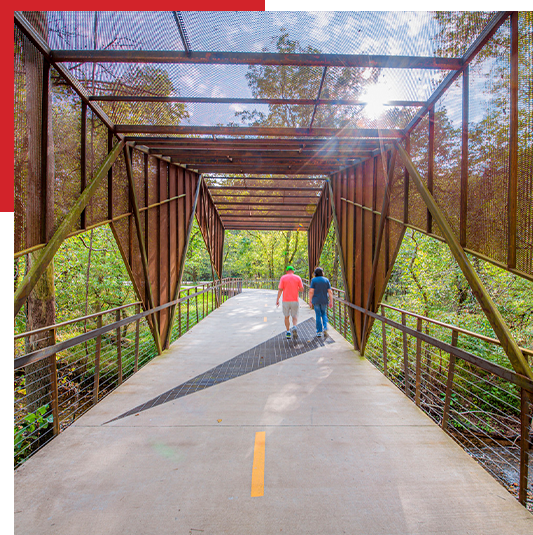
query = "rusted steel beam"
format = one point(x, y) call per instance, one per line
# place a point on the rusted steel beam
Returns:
point(295, 143)
point(324, 72)
point(240, 212)
point(260, 131)
point(265, 227)
point(267, 168)
point(260, 219)
point(264, 188)
point(270, 180)
point(256, 58)
point(513, 147)
point(496, 320)
point(266, 204)
point(278, 101)
point(181, 29)
point(194, 154)
point(293, 195)
point(38, 268)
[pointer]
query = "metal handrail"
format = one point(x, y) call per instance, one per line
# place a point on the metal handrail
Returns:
point(43, 353)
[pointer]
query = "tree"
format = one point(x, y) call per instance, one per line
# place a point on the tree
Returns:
point(302, 82)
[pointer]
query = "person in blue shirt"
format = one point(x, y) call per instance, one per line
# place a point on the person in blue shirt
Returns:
point(320, 295)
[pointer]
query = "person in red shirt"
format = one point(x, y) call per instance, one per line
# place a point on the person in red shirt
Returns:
point(290, 285)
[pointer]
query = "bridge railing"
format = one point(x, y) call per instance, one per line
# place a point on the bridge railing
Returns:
point(63, 370)
point(457, 378)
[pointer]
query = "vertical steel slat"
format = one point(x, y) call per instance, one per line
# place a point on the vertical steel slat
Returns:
point(431, 163)
point(513, 146)
point(137, 336)
point(464, 159)
point(110, 178)
point(83, 160)
point(46, 224)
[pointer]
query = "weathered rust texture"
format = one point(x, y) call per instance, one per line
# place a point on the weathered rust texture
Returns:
point(211, 227)
point(368, 252)
point(168, 203)
point(318, 229)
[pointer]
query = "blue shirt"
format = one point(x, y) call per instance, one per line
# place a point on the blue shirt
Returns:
point(321, 286)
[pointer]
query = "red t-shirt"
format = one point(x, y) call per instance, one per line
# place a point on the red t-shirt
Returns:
point(290, 284)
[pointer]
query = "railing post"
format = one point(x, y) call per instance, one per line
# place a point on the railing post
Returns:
point(197, 313)
point(449, 383)
point(179, 314)
point(188, 307)
point(405, 356)
point(525, 445)
point(384, 343)
point(53, 385)
point(137, 331)
point(97, 351)
point(418, 362)
point(119, 350)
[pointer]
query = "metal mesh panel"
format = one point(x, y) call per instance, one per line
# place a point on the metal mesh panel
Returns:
point(419, 155)
point(397, 191)
point(524, 253)
point(22, 48)
point(447, 169)
point(66, 120)
point(489, 149)
point(96, 152)
point(380, 33)
point(28, 79)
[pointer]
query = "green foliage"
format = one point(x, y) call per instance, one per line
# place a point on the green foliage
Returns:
point(427, 280)
point(25, 431)
point(90, 275)
point(264, 254)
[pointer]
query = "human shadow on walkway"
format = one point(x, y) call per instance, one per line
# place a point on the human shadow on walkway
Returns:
point(270, 352)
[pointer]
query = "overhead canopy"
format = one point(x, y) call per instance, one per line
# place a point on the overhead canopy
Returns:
point(268, 95)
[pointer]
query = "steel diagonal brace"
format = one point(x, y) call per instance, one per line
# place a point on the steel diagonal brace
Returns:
point(496, 320)
point(48, 252)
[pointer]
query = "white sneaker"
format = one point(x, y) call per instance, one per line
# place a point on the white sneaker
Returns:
point(319, 335)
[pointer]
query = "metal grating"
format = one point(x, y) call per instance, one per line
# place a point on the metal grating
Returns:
point(272, 351)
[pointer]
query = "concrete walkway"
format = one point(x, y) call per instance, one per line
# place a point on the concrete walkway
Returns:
point(345, 450)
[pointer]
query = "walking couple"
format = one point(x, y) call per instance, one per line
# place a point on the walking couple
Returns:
point(320, 295)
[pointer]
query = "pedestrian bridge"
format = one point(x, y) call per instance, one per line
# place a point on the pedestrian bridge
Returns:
point(235, 429)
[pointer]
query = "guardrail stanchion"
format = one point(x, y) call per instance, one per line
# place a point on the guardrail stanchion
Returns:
point(418, 363)
point(54, 385)
point(384, 343)
point(97, 351)
point(449, 383)
point(119, 350)
point(188, 307)
point(525, 444)
point(137, 332)
point(405, 357)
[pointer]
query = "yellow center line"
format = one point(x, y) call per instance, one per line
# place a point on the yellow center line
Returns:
point(258, 470)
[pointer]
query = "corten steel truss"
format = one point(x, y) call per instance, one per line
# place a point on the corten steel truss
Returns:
point(371, 193)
